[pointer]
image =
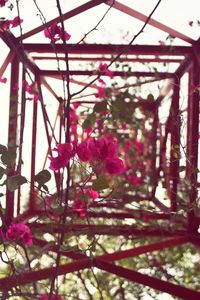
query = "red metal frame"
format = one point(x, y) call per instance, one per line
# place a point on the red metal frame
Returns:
point(188, 59)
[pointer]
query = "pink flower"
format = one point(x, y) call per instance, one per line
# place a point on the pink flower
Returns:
point(103, 68)
point(162, 43)
point(3, 80)
point(101, 92)
point(65, 152)
point(73, 116)
point(19, 232)
point(93, 194)
point(114, 166)
point(15, 22)
point(31, 90)
point(83, 151)
point(79, 207)
point(127, 145)
point(55, 33)
point(88, 130)
point(3, 2)
point(139, 146)
point(101, 81)
point(103, 148)
point(134, 179)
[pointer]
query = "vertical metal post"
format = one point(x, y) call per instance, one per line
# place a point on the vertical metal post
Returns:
point(21, 137)
point(175, 145)
point(33, 155)
point(192, 143)
point(12, 133)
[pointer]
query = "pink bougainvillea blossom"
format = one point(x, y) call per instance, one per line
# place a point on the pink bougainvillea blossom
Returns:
point(84, 152)
point(3, 79)
point(127, 145)
point(55, 33)
point(65, 153)
point(82, 201)
point(162, 43)
point(101, 81)
point(15, 22)
point(3, 2)
point(31, 90)
point(98, 149)
point(134, 179)
point(92, 194)
point(7, 24)
point(19, 232)
point(114, 166)
point(139, 146)
point(101, 92)
point(103, 68)
point(79, 207)
point(103, 150)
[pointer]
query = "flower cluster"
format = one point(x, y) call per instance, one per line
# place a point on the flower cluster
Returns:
point(19, 232)
point(31, 90)
point(6, 25)
point(65, 152)
point(55, 33)
point(103, 68)
point(81, 203)
point(101, 150)
point(101, 90)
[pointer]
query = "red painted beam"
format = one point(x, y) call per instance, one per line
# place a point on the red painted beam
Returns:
point(175, 145)
point(29, 277)
point(12, 135)
point(6, 63)
point(118, 255)
point(74, 12)
point(33, 156)
point(106, 58)
point(82, 262)
point(192, 143)
point(111, 49)
point(155, 283)
point(184, 66)
point(134, 13)
point(59, 74)
point(115, 230)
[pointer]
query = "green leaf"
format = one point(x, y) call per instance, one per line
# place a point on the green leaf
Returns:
point(100, 184)
point(117, 105)
point(8, 158)
point(2, 172)
point(181, 168)
point(2, 149)
point(42, 177)
point(89, 122)
point(100, 107)
point(14, 182)
point(150, 97)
